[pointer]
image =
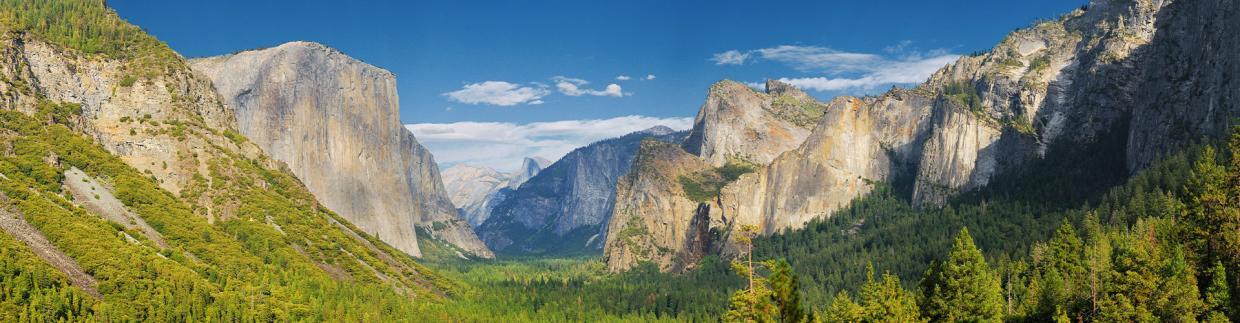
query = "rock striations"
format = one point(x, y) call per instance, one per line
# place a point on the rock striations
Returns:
point(335, 122)
point(1143, 71)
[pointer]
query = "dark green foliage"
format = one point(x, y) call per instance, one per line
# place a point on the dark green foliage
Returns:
point(705, 185)
point(786, 290)
point(581, 290)
point(963, 94)
point(1217, 296)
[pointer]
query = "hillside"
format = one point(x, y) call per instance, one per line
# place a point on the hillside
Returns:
point(216, 230)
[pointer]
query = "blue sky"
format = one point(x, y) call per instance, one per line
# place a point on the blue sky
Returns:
point(513, 64)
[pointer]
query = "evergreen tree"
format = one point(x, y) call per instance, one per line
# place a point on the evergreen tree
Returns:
point(1218, 296)
point(786, 292)
point(886, 301)
point(843, 310)
point(1153, 281)
point(962, 287)
point(754, 304)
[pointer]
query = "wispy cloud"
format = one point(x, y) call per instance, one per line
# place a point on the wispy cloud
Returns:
point(897, 72)
point(649, 77)
point(731, 57)
point(573, 87)
point(502, 145)
point(623, 78)
point(499, 93)
point(842, 70)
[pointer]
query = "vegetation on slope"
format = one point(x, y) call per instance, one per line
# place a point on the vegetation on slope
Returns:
point(89, 27)
point(281, 258)
point(705, 185)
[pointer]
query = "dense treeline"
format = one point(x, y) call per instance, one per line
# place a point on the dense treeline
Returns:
point(1151, 251)
point(89, 27)
point(581, 290)
point(1006, 218)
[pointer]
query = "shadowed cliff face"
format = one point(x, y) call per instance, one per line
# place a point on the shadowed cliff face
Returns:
point(565, 208)
point(1154, 69)
point(335, 122)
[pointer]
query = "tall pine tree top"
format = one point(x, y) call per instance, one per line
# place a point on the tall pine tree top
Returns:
point(962, 287)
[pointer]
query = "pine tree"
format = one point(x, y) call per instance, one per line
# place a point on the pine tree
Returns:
point(962, 287)
point(887, 301)
point(787, 292)
point(843, 310)
point(1218, 296)
point(754, 304)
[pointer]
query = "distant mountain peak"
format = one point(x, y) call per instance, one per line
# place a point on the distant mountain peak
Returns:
point(658, 130)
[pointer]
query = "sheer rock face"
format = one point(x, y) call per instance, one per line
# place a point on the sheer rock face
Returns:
point(529, 167)
point(653, 219)
point(858, 143)
point(1159, 73)
point(1191, 88)
point(476, 190)
point(335, 122)
point(565, 208)
point(737, 122)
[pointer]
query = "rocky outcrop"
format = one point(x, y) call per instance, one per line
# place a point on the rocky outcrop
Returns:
point(565, 207)
point(476, 190)
point(530, 166)
point(858, 143)
point(134, 120)
point(654, 220)
point(738, 123)
point(1145, 69)
point(94, 196)
point(335, 122)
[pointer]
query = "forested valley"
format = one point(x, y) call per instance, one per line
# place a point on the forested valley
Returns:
point(1072, 236)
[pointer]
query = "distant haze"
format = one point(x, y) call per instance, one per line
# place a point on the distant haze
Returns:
point(502, 145)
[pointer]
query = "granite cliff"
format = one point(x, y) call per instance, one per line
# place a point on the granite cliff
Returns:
point(1143, 71)
point(566, 206)
point(334, 121)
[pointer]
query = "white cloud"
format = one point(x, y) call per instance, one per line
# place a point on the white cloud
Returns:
point(498, 93)
point(845, 70)
point(649, 77)
point(811, 58)
point(502, 145)
point(573, 87)
point(899, 72)
point(732, 57)
point(623, 78)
